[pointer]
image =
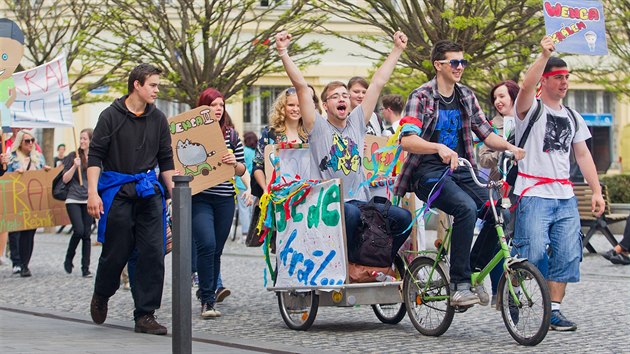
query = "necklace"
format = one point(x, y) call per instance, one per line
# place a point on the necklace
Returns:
point(444, 99)
point(337, 129)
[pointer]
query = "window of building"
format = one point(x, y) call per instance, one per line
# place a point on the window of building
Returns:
point(258, 103)
point(170, 108)
point(269, 3)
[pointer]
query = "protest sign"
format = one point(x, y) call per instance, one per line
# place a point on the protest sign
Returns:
point(198, 146)
point(26, 201)
point(43, 96)
point(294, 160)
point(576, 26)
point(310, 241)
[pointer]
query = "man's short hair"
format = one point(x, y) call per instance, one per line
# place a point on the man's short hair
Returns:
point(61, 146)
point(141, 73)
point(358, 80)
point(554, 62)
point(331, 86)
point(393, 102)
point(440, 48)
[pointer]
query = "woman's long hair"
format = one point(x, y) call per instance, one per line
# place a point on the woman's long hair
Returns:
point(278, 116)
point(35, 156)
point(82, 153)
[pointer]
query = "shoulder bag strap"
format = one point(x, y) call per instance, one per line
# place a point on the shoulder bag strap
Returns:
point(535, 117)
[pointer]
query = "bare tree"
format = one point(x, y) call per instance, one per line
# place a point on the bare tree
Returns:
point(220, 43)
point(72, 27)
point(497, 35)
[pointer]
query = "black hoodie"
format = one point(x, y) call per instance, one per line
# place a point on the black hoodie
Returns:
point(130, 144)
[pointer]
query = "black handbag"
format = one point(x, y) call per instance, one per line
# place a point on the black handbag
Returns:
point(59, 189)
point(375, 240)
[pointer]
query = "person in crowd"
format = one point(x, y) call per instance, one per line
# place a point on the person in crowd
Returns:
point(61, 153)
point(547, 227)
point(343, 132)
point(245, 212)
point(318, 107)
point(213, 208)
point(502, 97)
point(130, 139)
point(619, 254)
point(24, 157)
point(391, 110)
point(286, 126)
point(4, 236)
point(449, 113)
point(357, 88)
point(76, 204)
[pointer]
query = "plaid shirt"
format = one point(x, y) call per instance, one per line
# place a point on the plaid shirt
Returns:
point(423, 104)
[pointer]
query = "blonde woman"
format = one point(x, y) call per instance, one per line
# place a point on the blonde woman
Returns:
point(286, 126)
point(24, 157)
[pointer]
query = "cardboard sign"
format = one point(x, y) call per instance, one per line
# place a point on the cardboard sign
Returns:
point(295, 159)
point(576, 26)
point(310, 242)
point(43, 96)
point(26, 201)
point(198, 146)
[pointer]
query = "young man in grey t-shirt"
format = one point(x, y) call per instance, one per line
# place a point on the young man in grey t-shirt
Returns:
point(336, 142)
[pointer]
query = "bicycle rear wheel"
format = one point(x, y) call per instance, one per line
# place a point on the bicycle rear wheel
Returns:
point(392, 313)
point(528, 322)
point(298, 309)
point(426, 293)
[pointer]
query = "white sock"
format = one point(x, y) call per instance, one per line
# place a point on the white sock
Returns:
point(555, 306)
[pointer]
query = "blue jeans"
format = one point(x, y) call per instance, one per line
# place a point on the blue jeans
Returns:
point(211, 220)
point(547, 233)
point(399, 220)
point(464, 200)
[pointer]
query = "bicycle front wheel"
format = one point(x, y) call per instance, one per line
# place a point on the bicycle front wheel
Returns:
point(527, 322)
point(426, 293)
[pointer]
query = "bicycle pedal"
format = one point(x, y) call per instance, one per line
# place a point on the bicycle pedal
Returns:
point(462, 309)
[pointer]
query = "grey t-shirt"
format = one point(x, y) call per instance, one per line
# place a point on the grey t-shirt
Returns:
point(338, 153)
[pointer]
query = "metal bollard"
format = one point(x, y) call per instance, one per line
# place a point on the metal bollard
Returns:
point(182, 241)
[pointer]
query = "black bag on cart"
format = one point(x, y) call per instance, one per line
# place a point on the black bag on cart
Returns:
point(375, 245)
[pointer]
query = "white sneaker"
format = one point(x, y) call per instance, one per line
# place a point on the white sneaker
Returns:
point(484, 298)
point(208, 311)
point(17, 269)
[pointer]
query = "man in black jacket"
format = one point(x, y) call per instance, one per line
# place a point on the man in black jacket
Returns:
point(130, 139)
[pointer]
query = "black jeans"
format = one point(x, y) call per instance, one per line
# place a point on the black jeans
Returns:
point(464, 200)
point(134, 224)
point(21, 246)
point(625, 241)
point(82, 227)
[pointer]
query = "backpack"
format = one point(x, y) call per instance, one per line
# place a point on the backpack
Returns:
point(59, 189)
point(375, 240)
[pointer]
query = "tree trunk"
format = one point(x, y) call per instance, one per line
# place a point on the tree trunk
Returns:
point(48, 145)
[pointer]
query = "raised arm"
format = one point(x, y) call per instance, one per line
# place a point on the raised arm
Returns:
point(380, 77)
point(307, 106)
point(527, 92)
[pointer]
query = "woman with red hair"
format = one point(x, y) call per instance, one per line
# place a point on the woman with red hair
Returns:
point(213, 208)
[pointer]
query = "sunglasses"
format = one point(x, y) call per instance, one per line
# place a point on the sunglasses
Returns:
point(29, 141)
point(455, 63)
point(291, 91)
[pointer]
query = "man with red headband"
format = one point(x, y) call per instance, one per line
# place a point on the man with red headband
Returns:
point(547, 229)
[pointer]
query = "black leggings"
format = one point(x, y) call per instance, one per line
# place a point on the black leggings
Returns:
point(25, 240)
point(82, 226)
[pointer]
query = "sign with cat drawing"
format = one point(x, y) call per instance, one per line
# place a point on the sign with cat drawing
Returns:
point(198, 145)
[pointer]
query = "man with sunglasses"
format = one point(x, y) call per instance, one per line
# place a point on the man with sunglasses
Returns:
point(547, 227)
point(336, 142)
point(446, 113)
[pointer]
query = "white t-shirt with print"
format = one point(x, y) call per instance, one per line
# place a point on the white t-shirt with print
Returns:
point(547, 151)
point(338, 153)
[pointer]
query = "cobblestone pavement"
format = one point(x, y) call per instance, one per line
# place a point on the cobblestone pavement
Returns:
point(599, 305)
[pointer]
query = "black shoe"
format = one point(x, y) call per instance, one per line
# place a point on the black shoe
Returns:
point(148, 324)
point(208, 311)
point(609, 254)
point(25, 272)
point(222, 293)
point(67, 266)
point(620, 258)
point(98, 308)
point(87, 274)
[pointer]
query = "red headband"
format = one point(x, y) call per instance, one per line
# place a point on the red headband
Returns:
point(556, 72)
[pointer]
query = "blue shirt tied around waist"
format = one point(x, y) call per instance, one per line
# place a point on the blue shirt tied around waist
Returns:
point(109, 184)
